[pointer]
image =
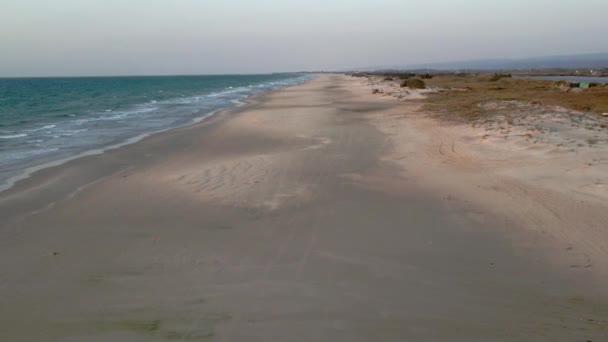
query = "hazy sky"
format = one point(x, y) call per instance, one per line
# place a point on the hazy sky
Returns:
point(118, 37)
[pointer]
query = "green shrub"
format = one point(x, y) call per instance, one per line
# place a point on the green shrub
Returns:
point(413, 84)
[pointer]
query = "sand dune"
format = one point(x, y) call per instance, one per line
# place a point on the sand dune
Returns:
point(538, 168)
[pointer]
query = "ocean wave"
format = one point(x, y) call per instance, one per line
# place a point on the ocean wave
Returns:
point(118, 116)
point(181, 100)
point(206, 97)
point(230, 91)
point(26, 154)
point(41, 128)
point(13, 136)
point(227, 92)
point(69, 133)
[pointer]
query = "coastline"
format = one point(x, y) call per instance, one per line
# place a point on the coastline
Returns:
point(30, 170)
point(306, 214)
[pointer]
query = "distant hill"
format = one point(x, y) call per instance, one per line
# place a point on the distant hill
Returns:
point(587, 61)
point(598, 60)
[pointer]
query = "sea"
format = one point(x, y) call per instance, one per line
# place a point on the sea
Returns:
point(47, 121)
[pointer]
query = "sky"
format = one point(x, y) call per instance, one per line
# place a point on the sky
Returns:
point(160, 37)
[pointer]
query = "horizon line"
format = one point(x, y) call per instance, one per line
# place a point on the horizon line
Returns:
point(161, 75)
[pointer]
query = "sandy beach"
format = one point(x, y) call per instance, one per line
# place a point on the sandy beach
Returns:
point(319, 212)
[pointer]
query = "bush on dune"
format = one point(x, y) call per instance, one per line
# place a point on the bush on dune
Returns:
point(413, 84)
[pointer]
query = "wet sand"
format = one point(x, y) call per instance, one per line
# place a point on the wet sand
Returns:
point(288, 219)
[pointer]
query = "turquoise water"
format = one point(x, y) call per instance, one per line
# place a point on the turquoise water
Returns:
point(47, 119)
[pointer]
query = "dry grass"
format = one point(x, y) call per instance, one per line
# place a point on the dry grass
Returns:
point(466, 92)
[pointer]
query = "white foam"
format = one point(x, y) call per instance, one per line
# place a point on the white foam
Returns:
point(47, 127)
point(118, 116)
point(26, 154)
point(13, 136)
point(238, 102)
point(10, 182)
point(69, 133)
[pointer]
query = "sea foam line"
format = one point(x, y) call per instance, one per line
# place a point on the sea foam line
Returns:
point(13, 136)
point(28, 172)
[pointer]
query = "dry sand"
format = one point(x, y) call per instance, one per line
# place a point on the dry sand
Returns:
point(319, 212)
point(541, 168)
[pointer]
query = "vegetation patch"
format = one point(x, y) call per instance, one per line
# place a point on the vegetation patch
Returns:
point(413, 84)
point(462, 95)
point(498, 77)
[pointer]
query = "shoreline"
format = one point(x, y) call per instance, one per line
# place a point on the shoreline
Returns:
point(28, 172)
point(307, 213)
